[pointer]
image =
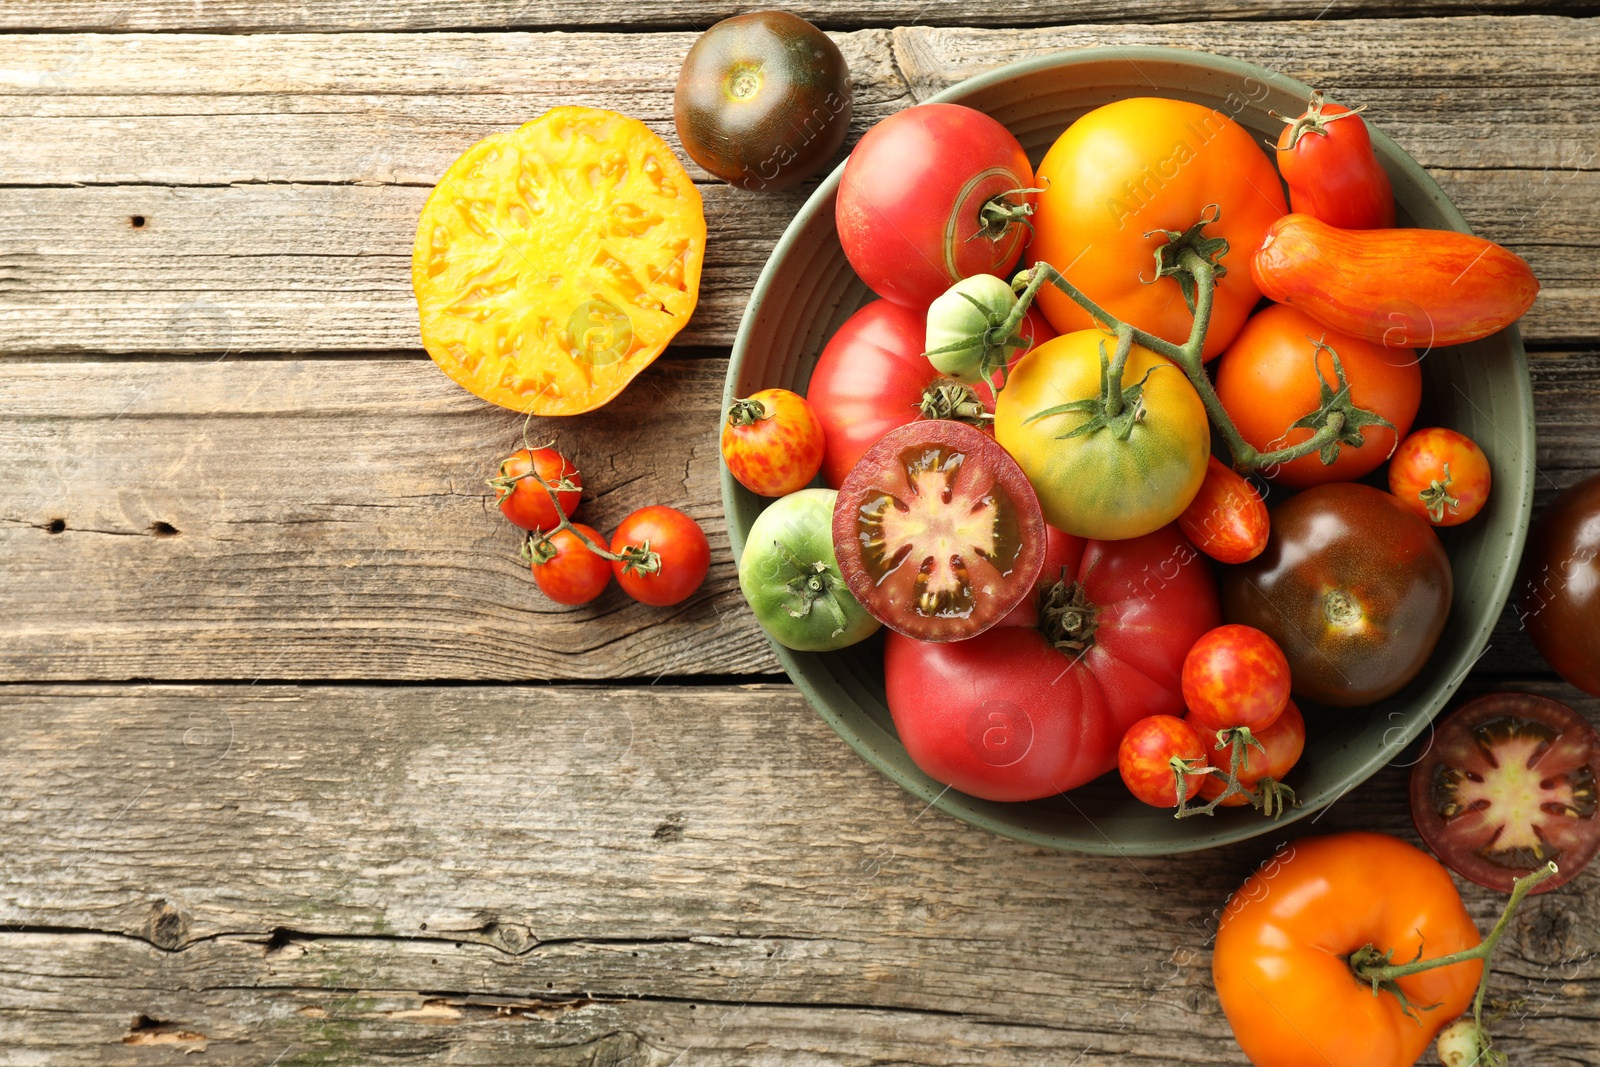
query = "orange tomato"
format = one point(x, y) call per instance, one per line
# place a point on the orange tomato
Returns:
point(1280, 957)
point(1139, 166)
point(1227, 519)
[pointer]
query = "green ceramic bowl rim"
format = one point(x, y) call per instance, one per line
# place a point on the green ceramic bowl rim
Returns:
point(1421, 714)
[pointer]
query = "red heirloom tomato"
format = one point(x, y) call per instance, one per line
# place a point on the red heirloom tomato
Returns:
point(574, 575)
point(937, 531)
point(1326, 159)
point(1560, 599)
point(931, 195)
point(1281, 368)
point(685, 555)
point(1128, 170)
point(1235, 676)
point(523, 499)
point(1507, 784)
point(1441, 475)
point(873, 377)
point(1227, 519)
point(1281, 960)
point(763, 100)
point(1353, 587)
point(1145, 759)
point(1401, 288)
point(1038, 705)
point(772, 442)
point(1281, 746)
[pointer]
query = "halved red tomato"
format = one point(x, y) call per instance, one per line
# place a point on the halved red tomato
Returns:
point(938, 532)
point(1506, 786)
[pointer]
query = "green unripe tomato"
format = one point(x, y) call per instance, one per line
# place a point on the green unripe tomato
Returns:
point(959, 322)
point(791, 579)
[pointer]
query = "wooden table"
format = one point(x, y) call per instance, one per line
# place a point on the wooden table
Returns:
point(296, 767)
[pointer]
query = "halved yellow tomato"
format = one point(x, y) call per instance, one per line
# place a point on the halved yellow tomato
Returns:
point(554, 262)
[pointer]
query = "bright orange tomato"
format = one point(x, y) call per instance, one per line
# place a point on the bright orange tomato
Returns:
point(1140, 166)
point(1280, 957)
point(1227, 519)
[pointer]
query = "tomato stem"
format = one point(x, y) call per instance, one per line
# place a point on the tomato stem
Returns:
point(747, 412)
point(1313, 121)
point(537, 548)
point(1436, 498)
point(946, 398)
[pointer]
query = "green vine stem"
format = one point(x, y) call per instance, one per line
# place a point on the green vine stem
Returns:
point(1370, 965)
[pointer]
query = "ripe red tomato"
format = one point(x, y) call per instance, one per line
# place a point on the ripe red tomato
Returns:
point(937, 531)
point(911, 195)
point(685, 555)
point(772, 442)
point(1326, 159)
point(1281, 746)
point(1441, 475)
point(1018, 714)
point(1146, 755)
point(1274, 373)
point(872, 377)
point(523, 499)
point(1125, 172)
point(574, 575)
point(1227, 519)
point(1506, 785)
point(1235, 676)
point(1560, 599)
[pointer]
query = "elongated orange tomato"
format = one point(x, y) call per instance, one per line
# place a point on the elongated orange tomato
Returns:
point(1227, 519)
point(1400, 288)
point(554, 262)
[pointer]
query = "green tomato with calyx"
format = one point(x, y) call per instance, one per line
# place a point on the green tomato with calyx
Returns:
point(791, 579)
point(963, 327)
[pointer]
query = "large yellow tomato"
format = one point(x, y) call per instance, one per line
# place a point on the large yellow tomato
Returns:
point(1099, 484)
point(553, 263)
point(1137, 167)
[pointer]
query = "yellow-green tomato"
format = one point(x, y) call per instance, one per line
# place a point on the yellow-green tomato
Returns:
point(1124, 479)
point(790, 576)
point(959, 322)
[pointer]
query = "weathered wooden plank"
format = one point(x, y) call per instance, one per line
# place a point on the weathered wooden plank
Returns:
point(348, 15)
point(276, 866)
point(347, 496)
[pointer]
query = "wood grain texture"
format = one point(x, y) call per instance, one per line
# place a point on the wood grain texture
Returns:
point(346, 497)
point(481, 874)
point(348, 15)
point(260, 233)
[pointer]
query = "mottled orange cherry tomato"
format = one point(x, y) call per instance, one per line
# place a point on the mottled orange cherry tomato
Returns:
point(573, 575)
point(1146, 759)
point(1281, 746)
point(1227, 519)
point(520, 490)
point(1235, 676)
point(1441, 475)
point(772, 442)
point(1281, 958)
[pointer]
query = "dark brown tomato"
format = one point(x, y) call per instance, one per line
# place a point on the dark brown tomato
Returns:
point(1559, 601)
point(1506, 785)
point(763, 100)
point(1353, 586)
point(937, 531)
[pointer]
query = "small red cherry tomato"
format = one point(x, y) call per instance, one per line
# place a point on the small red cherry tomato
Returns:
point(682, 555)
point(520, 496)
point(1281, 746)
point(1227, 519)
point(1326, 159)
point(772, 442)
point(1145, 759)
point(1235, 676)
point(574, 575)
point(1441, 475)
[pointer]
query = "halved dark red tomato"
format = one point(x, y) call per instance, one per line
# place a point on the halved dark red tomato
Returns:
point(1507, 785)
point(937, 531)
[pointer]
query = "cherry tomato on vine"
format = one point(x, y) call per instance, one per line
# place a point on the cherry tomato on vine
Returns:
point(1281, 746)
point(1145, 759)
point(1235, 676)
point(1326, 158)
point(1559, 601)
point(574, 575)
point(1281, 368)
point(1227, 519)
point(680, 544)
point(523, 499)
point(931, 195)
point(772, 442)
point(1441, 475)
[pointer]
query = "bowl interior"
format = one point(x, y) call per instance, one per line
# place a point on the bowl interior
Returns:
point(807, 290)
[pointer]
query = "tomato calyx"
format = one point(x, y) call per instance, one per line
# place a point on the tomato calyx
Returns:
point(1336, 412)
point(1313, 121)
point(1436, 497)
point(1171, 262)
point(1117, 408)
point(999, 213)
point(1067, 617)
point(813, 585)
point(748, 412)
point(946, 398)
